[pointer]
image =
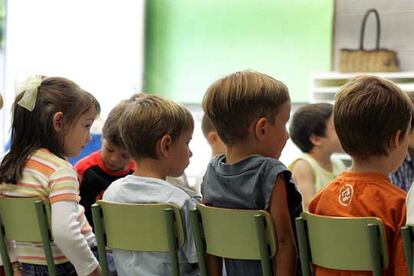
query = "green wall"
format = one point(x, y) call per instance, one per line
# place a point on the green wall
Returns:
point(190, 43)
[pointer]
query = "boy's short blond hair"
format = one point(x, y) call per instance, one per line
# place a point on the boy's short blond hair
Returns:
point(368, 111)
point(147, 119)
point(235, 101)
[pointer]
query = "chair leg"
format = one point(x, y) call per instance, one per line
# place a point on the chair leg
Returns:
point(408, 247)
point(303, 245)
point(373, 237)
point(8, 270)
point(100, 238)
point(198, 240)
point(264, 251)
point(46, 236)
point(172, 240)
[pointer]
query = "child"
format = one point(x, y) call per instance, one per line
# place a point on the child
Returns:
point(372, 118)
point(156, 132)
point(102, 167)
point(216, 144)
point(51, 121)
point(250, 111)
point(212, 137)
point(404, 176)
point(313, 132)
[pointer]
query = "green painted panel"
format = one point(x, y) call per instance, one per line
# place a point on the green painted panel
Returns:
point(191, 43)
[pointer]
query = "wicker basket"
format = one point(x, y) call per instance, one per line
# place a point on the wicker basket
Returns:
point(361, 60)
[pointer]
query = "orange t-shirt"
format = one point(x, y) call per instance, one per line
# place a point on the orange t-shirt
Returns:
point(366, 195)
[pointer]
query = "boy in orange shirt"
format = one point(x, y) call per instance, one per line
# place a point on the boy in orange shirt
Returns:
point(372, 117)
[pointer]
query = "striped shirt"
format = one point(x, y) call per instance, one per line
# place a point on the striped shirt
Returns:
point(403, 177)
point(52, 179)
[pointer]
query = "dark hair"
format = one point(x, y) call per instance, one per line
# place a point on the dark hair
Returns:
point(238, 99)
point(368, 111)
point(110, 130)
point(309, 120)
point(32, 130)
point(148, 119)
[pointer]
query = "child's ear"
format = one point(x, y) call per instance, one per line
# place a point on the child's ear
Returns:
point(260, 128)
point(58, 121)
point(165, 145)
point(396, 139)
point(212, 137)
point(315, 140)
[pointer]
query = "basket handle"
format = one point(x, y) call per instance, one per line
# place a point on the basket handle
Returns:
point(364, 21)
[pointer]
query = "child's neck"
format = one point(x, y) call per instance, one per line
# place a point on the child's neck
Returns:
point(240, 151)
point(148, 167)
point(215, 151)
point(377, 164)
point(323, 159)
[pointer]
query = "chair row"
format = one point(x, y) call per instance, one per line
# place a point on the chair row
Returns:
point(360, 243)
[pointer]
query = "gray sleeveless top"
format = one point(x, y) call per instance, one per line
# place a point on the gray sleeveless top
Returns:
point(247, 184)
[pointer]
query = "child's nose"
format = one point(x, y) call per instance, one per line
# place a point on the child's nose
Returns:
point(113, 157)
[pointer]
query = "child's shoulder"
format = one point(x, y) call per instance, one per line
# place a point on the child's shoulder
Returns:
point(43, 157)
point(367, 186)
point(249, 162)
point(134, 188)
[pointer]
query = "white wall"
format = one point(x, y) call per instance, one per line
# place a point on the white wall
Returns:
point(96, 43)
point(397, 33)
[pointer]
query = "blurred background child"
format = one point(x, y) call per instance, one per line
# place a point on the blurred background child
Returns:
point(99, 169)
point(312, 131)
point(212, 137)
point(403, 177)
point(216, 144)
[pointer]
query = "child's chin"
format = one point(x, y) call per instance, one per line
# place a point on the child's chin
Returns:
point(72, 154)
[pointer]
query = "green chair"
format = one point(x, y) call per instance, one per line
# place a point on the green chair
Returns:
point(233, 233)
point(407, 233)
point(341, 243)
point(138, 227)
point(25, 220)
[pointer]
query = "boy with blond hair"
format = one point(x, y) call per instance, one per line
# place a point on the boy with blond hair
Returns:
point(372, 118)
point(250, 111)
point(156, 132)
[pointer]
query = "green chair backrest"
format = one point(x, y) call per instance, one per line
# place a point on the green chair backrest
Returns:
point(234, 233)
point(407, 233)
point(26, 220)
point(342, 243)
point(138, 227)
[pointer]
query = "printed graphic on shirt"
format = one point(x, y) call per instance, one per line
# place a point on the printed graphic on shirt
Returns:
point(345, 195)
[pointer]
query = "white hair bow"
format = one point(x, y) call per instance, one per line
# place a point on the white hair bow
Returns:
point(30, 88)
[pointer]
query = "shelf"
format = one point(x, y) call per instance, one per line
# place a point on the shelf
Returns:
point(324, 85)
point(385, 75)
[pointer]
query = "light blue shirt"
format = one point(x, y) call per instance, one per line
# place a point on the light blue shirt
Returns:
point(136, 189)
